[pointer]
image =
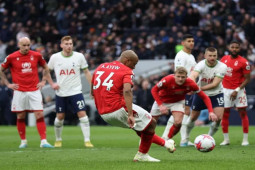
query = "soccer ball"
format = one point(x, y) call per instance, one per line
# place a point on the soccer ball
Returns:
point(204, 143)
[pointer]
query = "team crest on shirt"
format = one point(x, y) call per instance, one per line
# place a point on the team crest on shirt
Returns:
point(26, 67)
point(18, 58)
point(31, 57)
point(236, 63)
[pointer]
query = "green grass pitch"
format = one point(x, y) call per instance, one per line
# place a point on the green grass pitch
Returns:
point(115, 148)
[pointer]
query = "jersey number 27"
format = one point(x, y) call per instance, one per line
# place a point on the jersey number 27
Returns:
point(107, 82)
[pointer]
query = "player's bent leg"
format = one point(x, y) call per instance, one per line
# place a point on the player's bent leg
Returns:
point(190, 123)
point(184, 124)
point(169, 124)
point(178, 116)
point(85, 127)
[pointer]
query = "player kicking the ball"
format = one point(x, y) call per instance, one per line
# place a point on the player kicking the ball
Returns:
point(111, 88)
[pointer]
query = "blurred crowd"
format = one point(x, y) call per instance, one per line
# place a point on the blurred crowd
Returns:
point(101, 29)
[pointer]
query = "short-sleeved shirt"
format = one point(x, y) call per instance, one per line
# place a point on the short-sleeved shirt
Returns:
point(167, 91)
point(24, 69)
point(108, 80)
point(208, 73)
point(237, 67)
point(183, 59)
point(67, 71)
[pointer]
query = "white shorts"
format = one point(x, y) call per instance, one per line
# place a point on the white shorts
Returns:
point(239, 102)
point(178, 107)
point(27, 101)
point(119, 118)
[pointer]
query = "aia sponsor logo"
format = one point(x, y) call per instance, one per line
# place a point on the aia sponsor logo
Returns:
point(26, 67)
point(67, 72)
point(207, 80)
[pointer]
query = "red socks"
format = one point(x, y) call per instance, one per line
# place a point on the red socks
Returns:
point(173, 131)
point(245, 121)
point(41, 127)
point(158, 140)
point(225, 120)
point(21, 126)
point(146, 140)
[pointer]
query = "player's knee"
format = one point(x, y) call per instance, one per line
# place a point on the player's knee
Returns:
point(84, 119)
point(152, 125)
point(178, 124)
point(58, 123)
point(243, 113)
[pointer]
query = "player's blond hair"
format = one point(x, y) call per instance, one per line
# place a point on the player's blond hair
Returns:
point(181, 70)
point(66, 38)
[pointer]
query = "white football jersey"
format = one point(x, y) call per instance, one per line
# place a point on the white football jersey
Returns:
point(67, 71)
point(207, 75)
point(183, 59)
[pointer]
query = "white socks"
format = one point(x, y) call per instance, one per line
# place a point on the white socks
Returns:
point(213, 128)
point(184, 127)
point(169, 124)
point(245, 137)
point(24, 141)
point(190, 125)
point(58, 127)
point(85, 128)
point(226, 137)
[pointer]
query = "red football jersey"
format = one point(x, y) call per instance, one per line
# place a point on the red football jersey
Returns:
point(167, 91)
point(107, 81)
point(24, 69)
point(237, 67)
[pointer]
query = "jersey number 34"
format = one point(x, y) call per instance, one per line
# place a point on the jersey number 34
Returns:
point(107, 82)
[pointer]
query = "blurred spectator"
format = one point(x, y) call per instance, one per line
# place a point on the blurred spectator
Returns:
point(144, 97)
point(6, 116)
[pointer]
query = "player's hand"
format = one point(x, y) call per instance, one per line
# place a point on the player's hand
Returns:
point(233, 95)
point(131, 121)
point(41, 84)
point(13, 86)
point(55, 86)
point(213, 117)
point(163, 109)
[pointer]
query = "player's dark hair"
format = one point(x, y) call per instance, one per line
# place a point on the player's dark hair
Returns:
point(235, 42)
point(181, 70)
point(186, 36)
point(211, 49)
